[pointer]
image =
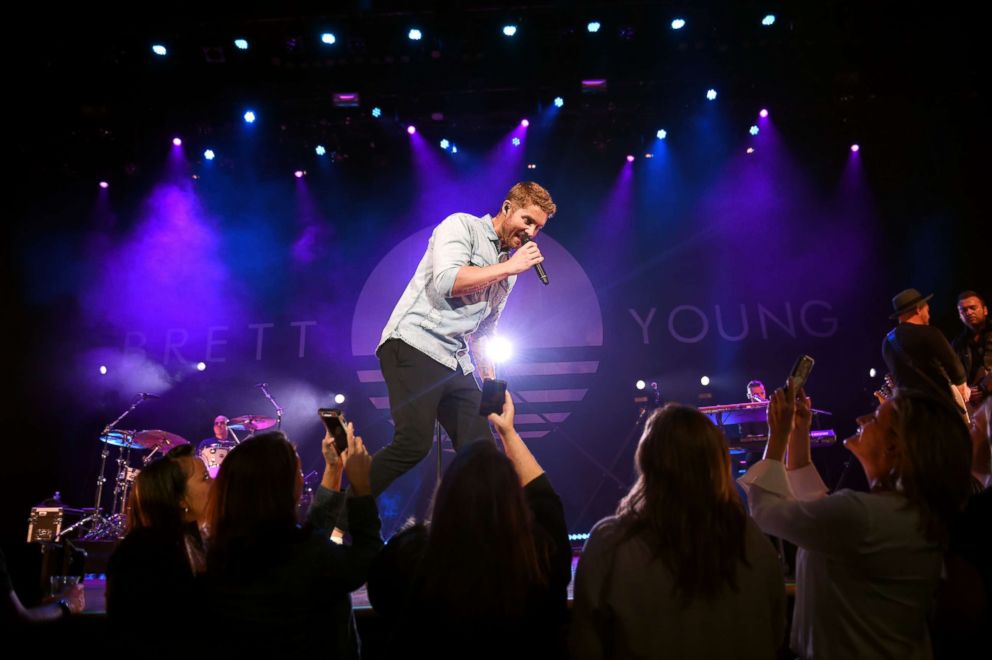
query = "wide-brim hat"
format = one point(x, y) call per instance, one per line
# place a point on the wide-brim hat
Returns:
point(906, 301)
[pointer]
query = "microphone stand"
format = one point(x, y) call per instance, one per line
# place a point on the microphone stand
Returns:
point(279, 409)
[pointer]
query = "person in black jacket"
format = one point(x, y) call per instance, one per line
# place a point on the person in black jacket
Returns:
point(492, 567)
point(918, 356)
point(974, 345)
point(273, 586)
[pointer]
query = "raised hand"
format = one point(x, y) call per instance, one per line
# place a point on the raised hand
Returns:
point(358, 464)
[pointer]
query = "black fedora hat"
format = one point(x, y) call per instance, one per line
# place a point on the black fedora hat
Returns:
point(906, 301)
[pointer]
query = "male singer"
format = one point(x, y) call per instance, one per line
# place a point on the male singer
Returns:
point(458, 292)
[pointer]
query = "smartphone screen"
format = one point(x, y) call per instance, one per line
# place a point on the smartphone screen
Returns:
point(493, 396)
point(334, 423)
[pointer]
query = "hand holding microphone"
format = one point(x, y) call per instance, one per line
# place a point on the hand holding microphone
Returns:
point(528, 255)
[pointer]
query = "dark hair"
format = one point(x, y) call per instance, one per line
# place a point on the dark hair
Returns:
point(970, 294)
point(934, 467)
point(684, 502)
point(481, 558)
point(252, 506)
point(158, 490)
point(754, 383)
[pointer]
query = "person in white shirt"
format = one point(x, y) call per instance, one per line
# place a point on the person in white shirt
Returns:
point(868, 563)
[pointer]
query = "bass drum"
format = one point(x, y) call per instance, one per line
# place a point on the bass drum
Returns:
point(213, 452)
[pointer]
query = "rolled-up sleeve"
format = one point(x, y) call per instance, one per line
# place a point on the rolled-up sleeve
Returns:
point(452, 250)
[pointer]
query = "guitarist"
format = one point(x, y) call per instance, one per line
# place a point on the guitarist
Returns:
point(918, 356)
point(974, 345)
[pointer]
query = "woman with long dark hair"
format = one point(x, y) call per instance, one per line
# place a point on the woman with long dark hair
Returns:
point(273, 585)
point(680, 571)
point(868, 564)
point(493, 565)
point(151, 573)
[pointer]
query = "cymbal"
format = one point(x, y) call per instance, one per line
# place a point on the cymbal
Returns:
point(252, 422)
point(158, 438)
point(120, 438)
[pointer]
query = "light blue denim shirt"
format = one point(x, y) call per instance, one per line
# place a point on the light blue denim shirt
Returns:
point(427, 316)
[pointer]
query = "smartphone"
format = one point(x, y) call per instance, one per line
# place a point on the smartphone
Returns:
point(334, 422)
point(493, 396)
point(800, 371)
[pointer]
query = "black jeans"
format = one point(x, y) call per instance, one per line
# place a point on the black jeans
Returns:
point(422, 390)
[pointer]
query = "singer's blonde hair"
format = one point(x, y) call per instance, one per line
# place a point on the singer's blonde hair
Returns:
point(526, 193)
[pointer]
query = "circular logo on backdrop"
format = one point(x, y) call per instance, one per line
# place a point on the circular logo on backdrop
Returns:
point(556, 333)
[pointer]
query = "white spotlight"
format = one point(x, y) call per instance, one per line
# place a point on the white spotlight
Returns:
point(640, 384)
point(704, 381)
point(339, 399)
point(499, 349)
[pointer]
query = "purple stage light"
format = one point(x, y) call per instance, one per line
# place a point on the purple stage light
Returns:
point(630, 158)
point(516, 142)
point(104, 185)
point(763, 114)
point(750, 150)
point(525, 123)
point(411, 129)
point(178, 142)
point(594, 85)
point(201, 366)
point(299, 174)
point(103, 370)
point(855, 148)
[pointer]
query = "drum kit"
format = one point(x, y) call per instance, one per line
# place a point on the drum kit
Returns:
point(100, 527)
point(213, 451)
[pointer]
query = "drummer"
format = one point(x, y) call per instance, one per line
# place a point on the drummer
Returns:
point(213, 450)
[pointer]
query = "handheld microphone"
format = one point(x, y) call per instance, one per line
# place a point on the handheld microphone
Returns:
point(538, 268)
